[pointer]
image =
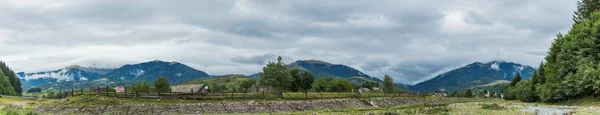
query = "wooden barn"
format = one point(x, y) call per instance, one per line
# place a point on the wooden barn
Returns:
point(196, 89)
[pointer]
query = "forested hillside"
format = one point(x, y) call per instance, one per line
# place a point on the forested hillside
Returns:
point(9, 83)
point(572, 64)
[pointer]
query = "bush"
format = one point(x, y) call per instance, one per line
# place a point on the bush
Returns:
point(525, 91)
point(492, 106)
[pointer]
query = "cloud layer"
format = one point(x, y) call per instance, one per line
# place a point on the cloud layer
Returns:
point(411, 40)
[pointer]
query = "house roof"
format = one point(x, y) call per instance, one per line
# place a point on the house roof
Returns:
point(187, 88)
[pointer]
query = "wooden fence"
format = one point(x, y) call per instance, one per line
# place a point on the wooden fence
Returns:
point(108, 92)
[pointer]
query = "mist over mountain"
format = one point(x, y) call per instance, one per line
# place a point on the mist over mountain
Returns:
point(474, 74)
point(72, 73)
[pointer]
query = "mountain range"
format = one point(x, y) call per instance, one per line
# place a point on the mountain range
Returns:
point(149, 71)
point(71, 76)
point(472, 75)
point(72, 73)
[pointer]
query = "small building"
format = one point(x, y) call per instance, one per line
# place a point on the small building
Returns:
point(364, 90)
point(191, 89)
point(119, 89)
point(376, 89)
point(440, 93)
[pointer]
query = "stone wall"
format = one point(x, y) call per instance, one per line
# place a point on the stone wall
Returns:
point(234, 107)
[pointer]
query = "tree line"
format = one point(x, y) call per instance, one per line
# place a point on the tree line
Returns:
point(9, 82)
point(277, 75)
point(571, 69)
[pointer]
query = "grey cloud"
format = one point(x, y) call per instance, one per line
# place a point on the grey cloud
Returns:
point(375, 65)
point(259, 59)
point(411, 40)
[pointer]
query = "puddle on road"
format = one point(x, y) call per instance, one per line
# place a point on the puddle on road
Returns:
point(547, 110)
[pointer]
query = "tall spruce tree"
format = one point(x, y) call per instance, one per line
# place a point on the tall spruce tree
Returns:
point(11, 77)
point(585, 8)
point(388, 84)
point(468, 93)
point(162, 84)
point(534, 78)
point(541, 76)
point(515, 80)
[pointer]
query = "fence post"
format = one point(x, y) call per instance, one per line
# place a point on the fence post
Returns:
point(263, 94)
point(81, 91)
point(321, 94)
point(98, 91)
point(107, 91)
point(193, 94)
point(232, 95)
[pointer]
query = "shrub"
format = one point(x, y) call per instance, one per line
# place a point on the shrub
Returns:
point(492, 106)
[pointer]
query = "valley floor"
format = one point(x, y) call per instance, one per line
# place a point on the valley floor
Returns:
point(398, 105)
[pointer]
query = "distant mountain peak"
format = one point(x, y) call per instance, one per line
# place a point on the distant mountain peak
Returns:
point(70, 73)
point(315, 62)
point(148, 71)
point(476, 73)
point(74, 66)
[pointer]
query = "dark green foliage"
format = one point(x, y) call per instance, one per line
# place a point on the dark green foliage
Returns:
point(322, 84)
point(515, 80)
point(328, 84)
point(276, 75)
point(571, 68)
point(388, 84)
point(306, 81)
point(455, 94)
point(35, 90)
point(143, 86)
point(369, 84)
point(295, 73)
point(59, 95)
point(51, 95)
point(5, 86)
point(227, 83)
point(340, 85)
point(162, 84)
point(535, 79)
point(525, 91)
point(9, 83)
point(480, 93)
point(541, 76)
point(585, 8)
point(247, 84)
point(468, 93)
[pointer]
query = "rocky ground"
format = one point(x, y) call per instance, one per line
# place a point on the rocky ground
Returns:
point(236, 107)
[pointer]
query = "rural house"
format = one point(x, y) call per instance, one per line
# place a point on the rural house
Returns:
point(191, 89)
point(119, 89)
point(364, 90)
point(440, 93)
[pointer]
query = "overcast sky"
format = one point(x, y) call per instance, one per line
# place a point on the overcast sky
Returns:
point(411, 40)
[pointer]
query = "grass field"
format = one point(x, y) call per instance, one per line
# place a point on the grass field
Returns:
point(20, 106)
point(588, 105)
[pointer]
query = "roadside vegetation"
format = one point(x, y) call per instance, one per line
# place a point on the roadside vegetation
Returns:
point(571, 69)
